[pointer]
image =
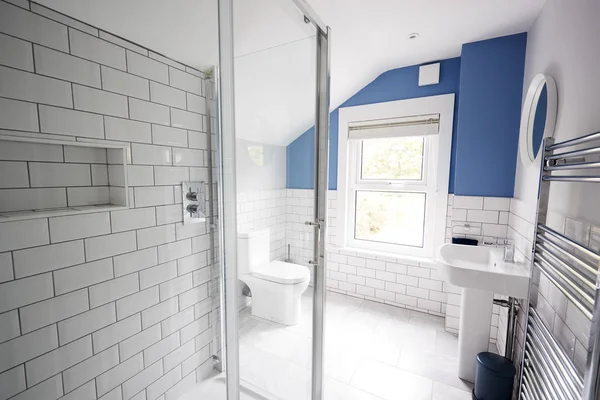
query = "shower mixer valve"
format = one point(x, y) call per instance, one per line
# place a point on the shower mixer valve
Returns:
point(193, 202)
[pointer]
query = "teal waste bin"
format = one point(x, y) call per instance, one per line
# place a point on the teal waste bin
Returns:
point(494, 377)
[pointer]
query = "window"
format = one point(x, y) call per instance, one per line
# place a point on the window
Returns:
point(392, 201)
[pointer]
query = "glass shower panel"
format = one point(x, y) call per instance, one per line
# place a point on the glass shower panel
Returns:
point(275, 86)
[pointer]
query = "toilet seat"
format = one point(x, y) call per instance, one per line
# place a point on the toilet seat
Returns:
point(283, 273)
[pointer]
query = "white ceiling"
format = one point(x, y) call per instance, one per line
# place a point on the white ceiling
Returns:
point(275, 59)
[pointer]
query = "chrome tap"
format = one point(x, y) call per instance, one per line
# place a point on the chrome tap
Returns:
point(509, 251)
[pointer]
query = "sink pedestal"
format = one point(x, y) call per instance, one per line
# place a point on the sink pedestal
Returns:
point(474, 335)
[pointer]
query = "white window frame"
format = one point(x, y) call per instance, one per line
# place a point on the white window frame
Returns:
point(436, 175)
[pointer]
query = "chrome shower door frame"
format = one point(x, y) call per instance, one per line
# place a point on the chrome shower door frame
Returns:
point(227, 196)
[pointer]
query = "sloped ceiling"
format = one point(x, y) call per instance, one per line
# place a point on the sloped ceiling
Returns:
point(275, 49)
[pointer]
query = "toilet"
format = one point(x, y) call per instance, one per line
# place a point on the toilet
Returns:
point(276, 286)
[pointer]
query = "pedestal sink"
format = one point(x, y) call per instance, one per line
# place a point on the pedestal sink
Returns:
point(481, 273)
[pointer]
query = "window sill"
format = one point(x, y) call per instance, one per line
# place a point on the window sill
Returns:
point(403, 258)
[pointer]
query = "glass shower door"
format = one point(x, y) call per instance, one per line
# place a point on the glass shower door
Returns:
point(281, 92)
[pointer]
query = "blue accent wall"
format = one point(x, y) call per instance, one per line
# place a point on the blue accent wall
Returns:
point(488, 82)
point(396, 84)
point(489, 113)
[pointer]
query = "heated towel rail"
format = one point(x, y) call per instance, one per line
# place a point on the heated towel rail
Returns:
point(547, 372)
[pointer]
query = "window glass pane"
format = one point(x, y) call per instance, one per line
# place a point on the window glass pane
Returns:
point(392, 158)
point(390, 217)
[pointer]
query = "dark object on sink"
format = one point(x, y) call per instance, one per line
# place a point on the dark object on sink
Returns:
point(468, 242)
point(494, 377)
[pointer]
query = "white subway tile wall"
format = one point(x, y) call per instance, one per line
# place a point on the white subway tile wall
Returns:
point(107, 303)
point(394, 280)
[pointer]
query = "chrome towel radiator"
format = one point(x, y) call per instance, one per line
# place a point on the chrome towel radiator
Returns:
point(546, 370)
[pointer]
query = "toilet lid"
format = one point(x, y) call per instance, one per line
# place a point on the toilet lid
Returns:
point(282, 272)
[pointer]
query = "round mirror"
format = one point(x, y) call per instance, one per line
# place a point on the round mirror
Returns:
point(538, 117)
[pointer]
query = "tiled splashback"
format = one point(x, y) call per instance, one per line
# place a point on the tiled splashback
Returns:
point(106, 304)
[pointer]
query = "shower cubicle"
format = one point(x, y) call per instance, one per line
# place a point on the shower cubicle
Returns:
point(119, 190)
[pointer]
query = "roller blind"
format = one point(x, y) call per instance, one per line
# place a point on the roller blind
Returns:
point(420, 125)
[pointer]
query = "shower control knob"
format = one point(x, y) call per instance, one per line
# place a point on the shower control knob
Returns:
point(192, 196)
point(192, 209)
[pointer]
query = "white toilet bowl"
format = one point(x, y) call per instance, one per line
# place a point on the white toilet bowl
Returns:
point(277, 291)
point(276, 286)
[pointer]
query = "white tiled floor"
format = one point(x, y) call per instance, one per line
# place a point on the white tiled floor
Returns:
point(373, 351)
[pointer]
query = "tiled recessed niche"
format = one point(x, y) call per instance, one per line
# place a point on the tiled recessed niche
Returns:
point(41, 178)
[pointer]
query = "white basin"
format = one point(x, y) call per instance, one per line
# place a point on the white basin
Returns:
point(481, 273)
point(482, 268)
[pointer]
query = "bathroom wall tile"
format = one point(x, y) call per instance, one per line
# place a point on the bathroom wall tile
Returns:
point(196, 104)
point(468, 202)
point(53, 15)
point(169, 136)
point(185, 81)
point(94, 49)
point(140, 381)
point(496, 203)
point(168, 214)
point(114, 289)
point(90, 368)
point(132, 219)
point(171, 175)
point(188, 157)
point(116, 333)
point(151, 155)
point(167, 95)
point(198, 140)
point(159, 312)
point(149, 112)
point(151, 237)
point(109, 245)
point(21, 85)
point(191, 297)
point(70, 122)
point(123, 43)
point(117, 81)
point(157, 275)
point(85, 392)
point(166, 60)
point(84, 275)
point(13, 175)
point(17, 22)
point(186, 120)
point(27, 347)
point(15, 53)
point(137, 302)
point(177, 321)
point(140, 175)
point(47, 258)
point(63, 66)
point(6, 267)
point(173, 251)
point(12, 382)
point(88, 196)
point(127, 130)
point(18, 115)
point(86, 323)
point(79, 226)
point(140, 341)
point(50, 389)
point(59, 175)
point(58, 360)
point(119, 374)
point(154, 196)
point(50, 311)
point(483, 216)
point(148, 68)
point(135, 261)
point(161, 349)
point(99, 101)
point(9, 326)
